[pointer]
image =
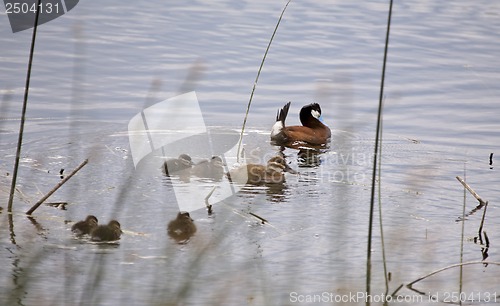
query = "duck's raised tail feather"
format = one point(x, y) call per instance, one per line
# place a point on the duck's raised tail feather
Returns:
point(279, 125)
point(282, 113)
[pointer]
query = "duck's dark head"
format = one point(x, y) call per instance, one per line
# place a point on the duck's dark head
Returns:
point(216, 161)
point(279, 164)
point(115, 225)
point(310, 115)
point(91, 219)
point(184, 215)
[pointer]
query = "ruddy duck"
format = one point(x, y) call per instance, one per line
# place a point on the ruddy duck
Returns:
point(173, 165)
point(313, 131)
point(256, 174)
point(109, 232)
point(182, 228)
point(85, 227)
point(212, 168)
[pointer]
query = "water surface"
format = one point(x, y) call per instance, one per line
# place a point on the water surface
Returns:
point(102, 63)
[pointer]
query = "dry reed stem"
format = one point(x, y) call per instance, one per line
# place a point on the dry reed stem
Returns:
point(257, 80)
point(450, 267)
point(378, 140)
point(481, 201)
point(32, 209)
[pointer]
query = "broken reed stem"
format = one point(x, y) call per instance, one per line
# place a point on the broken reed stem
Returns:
point(259, 217)
point(450, 267)
point(257, 80)
point(207, 204)
point(32, 209)
point(482, 219)
point(23, 112)
point(481, 201)
point(397, 289)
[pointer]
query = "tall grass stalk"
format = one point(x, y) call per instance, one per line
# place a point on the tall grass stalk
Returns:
point(23, 112)
point(257, 80)
point(386, 275)
point(375, 157)
point(462, 234)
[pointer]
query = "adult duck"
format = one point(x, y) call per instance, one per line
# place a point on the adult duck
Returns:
point(313, 130)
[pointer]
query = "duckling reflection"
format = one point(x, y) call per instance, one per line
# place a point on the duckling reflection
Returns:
point(257, 174)
point(212, 169)
point(180, 166)
point(182, 228)
point(85, 227)
point(109, 232)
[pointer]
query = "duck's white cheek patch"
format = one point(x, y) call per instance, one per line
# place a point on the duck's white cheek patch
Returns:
point(315, 114)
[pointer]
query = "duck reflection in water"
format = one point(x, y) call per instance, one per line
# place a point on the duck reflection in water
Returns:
point(255, 174)
point(212, 169)
point(85, 227)
point(180, 166)
point(182, 228)
point(110, 232)
point(309, 158)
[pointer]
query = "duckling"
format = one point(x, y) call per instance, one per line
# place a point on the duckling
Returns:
point(182, 228)
point(257, 174)
point(85, 227)
point(212, 168)
point(109, 232)
point(180, 167)
point(313, 130)
point(173, 165)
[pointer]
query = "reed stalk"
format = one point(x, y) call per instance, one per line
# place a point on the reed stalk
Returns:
point(375, 157)
point(256, 81)
point(380, 219)
point(37, 204)
point(410, 285)
point(23, 112)
point(469, 188)
point(462, 236)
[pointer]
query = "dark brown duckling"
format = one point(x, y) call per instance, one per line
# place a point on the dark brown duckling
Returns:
point(213, 168)
point(182, 228)
point(173, 165)
point(109, 232)
point(85, 227)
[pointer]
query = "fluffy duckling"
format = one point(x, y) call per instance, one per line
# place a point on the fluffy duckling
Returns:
point(182, 228)
point(85, 227)
point(213, 168)
point(109, 232)
point(257, 174)
point(173, 165)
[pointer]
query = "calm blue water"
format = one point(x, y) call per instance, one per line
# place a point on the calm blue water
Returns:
point(103, 62)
